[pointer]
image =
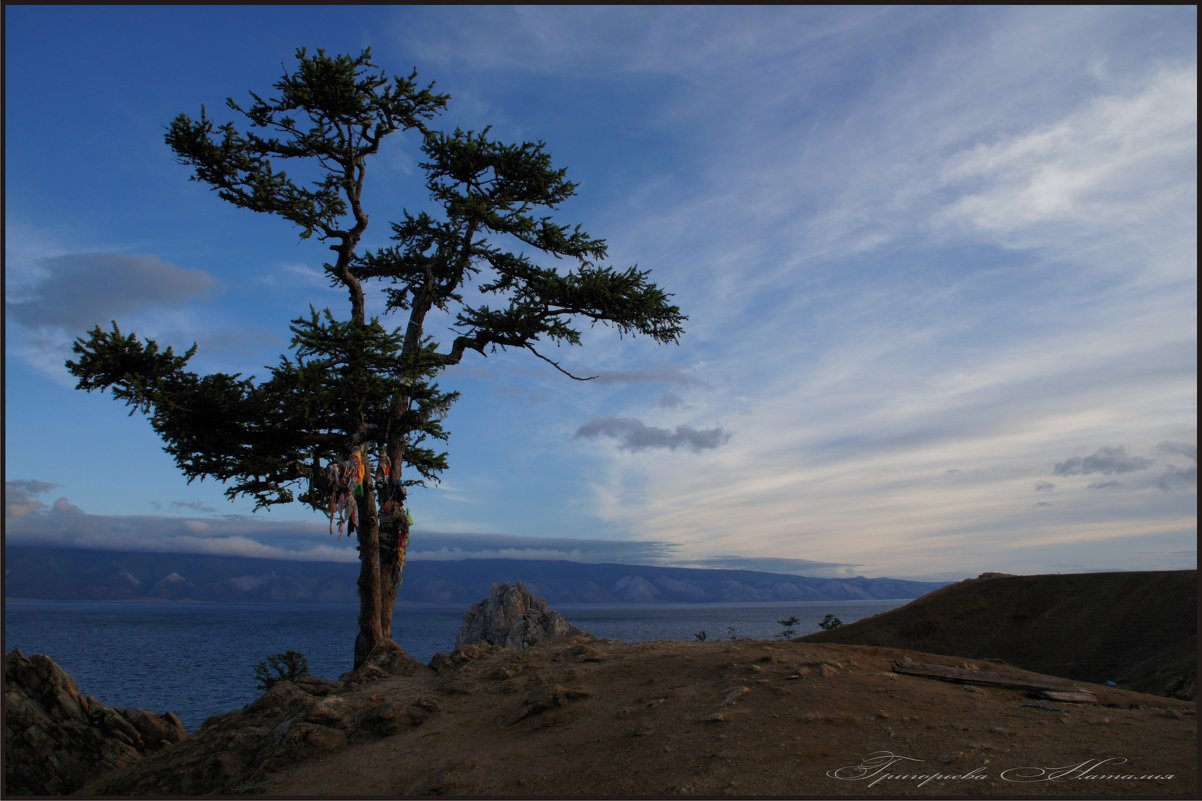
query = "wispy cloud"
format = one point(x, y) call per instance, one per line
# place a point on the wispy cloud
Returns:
point(670, 400)
point(1106, 461)
point(192, 506)
point(635, 435)
point(928, 255)
point(20, 497)
point(1104, 485)
point(648, 375)
point(1161, 471)
point(796, 567)
point(441, 545)
point(975, 257)
point(1186, 449)
point(84, 289)
point(1107, 176)
point(52, 299)
point(302, 277)
point(1179, 479)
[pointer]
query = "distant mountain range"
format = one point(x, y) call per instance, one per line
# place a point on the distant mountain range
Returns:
point(97, 575)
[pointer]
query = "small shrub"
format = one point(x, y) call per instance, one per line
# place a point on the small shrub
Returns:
point(788, 632)
point(730, 632)
point(288, 666)
point(700, 636)
point(830, 622)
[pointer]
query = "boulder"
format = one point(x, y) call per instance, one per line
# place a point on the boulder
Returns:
point(511, 617)
point(56, 739)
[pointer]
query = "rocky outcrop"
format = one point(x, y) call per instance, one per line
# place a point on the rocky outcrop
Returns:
point(293, 721)
point(511, 617)
point(57, 739)
point(386, 659)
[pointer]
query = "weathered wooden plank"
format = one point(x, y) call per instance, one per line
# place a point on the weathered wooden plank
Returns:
point(984, 677)
point(1078, 697)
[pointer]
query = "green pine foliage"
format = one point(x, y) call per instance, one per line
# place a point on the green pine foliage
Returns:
point(787, 630)
point(830, 622)
point(287, 666)
point(485, 253)
point(355, 380)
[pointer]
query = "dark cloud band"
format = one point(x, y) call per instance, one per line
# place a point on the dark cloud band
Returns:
point(28, 521)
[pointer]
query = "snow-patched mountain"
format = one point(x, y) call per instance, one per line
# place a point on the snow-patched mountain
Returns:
point(70, 574)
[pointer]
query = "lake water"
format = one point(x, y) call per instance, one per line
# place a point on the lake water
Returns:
point(197, 660)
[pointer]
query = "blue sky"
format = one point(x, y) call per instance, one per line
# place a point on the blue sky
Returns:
point(939, 266)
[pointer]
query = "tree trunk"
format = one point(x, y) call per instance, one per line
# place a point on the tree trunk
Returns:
point(382, 548)
point(371, 595)
point(394, 542)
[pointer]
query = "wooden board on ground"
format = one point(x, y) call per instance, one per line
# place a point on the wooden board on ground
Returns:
point(1077, 697)
point(986, 677)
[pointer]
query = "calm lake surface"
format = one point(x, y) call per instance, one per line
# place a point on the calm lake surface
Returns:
point(198, 659)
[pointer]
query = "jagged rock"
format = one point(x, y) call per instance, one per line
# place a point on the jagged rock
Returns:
point(390, 717)
point(389, 657)
point(386, 659)
point(316, 686)
point(547, 697)
point(330, 711)
point(56, 739)
point(291, 722)
point(510, 616)
point(461, 656)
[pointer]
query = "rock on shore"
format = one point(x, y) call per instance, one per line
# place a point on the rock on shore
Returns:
point(292, 722)
point(56, 739)
point(511, 617)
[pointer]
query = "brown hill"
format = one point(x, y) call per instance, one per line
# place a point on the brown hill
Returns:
point(1137, 628)
point(607, 719)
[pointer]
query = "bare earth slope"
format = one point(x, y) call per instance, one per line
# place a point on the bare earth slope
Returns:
point(1136, 628)
point(599, 718)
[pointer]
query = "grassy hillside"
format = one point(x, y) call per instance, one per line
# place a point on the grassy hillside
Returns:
point(1136, 628)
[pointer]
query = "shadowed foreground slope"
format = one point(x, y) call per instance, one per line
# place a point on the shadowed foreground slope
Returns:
point(1136, 628)
point(597, 718)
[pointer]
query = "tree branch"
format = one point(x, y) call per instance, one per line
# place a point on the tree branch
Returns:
point(555, 364)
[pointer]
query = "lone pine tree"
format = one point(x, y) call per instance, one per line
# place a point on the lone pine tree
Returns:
point(356, 389)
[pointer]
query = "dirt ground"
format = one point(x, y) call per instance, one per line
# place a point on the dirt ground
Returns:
point(748, 718)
